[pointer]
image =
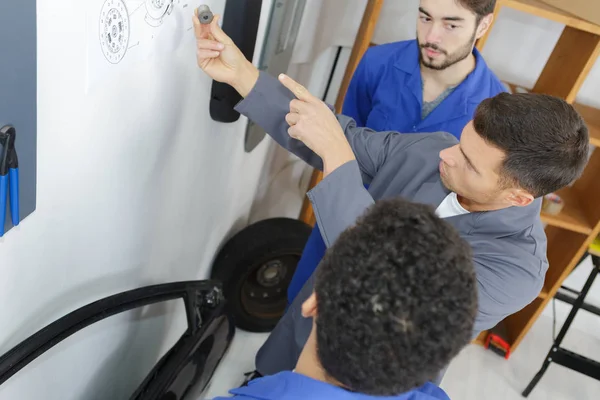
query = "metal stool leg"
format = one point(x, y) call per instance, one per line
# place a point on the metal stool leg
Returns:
point(537, 376)
point(556, 346)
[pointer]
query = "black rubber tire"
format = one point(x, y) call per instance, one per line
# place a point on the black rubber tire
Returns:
point(276, 240)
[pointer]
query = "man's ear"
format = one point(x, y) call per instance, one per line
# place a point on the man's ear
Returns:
point(519, 197)
point(309, 307)
point(484, 25)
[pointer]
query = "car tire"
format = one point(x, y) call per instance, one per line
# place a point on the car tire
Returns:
point(256, 266)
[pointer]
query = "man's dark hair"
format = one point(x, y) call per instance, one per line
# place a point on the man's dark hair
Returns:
point(545, 140)
point(481, 8)
point(396, 299)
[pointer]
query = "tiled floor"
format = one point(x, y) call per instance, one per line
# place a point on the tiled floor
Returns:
point(480, 374)
point(476, 374)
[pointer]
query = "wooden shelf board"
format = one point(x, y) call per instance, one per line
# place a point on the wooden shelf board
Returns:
point(544, 10)
point(565, 248)
point(571, 216)
point(519, 323)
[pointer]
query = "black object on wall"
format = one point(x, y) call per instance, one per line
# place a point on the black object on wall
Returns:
point(18, 94)
point(240, 22)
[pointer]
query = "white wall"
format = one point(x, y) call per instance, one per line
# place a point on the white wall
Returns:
point(136, 186)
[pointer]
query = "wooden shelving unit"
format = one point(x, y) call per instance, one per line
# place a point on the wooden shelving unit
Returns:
point(571, 232)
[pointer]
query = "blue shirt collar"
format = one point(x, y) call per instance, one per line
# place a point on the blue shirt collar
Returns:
point(289, 385)
point(409, 61)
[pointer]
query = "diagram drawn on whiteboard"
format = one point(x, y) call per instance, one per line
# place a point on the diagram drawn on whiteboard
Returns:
point(114, 30)
point(119, 23)
point(123, 33)
point(157, 10)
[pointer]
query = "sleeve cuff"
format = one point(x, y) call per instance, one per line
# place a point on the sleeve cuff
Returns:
point(337, 199)
point(262, 95)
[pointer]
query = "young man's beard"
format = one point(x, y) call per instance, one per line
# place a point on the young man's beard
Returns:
point(460, 54)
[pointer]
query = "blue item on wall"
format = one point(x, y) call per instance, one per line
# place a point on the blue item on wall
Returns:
point(9, 173)
point(18, 111)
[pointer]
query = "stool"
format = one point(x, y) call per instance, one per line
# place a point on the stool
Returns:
point(564, 357)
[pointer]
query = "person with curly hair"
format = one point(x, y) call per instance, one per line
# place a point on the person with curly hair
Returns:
point(395, 300)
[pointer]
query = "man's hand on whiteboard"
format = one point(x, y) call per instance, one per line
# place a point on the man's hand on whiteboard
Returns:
point(221, 59)
point(314, 124)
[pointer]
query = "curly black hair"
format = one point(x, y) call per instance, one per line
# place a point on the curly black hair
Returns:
point(396, 299)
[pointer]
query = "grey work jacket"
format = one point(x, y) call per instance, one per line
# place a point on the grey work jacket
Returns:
point(509, 245)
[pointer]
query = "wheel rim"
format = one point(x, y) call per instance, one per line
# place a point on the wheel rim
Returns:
point(264, 291)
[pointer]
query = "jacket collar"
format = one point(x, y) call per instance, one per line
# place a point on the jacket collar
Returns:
point(502, 222)
point(289, 385)
point(432, 192)
point(498, 223)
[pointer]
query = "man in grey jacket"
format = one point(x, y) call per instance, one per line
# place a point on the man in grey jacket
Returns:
point(489, 185)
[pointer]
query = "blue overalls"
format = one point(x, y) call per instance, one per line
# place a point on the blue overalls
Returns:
point(385, 94)
point(292, 386)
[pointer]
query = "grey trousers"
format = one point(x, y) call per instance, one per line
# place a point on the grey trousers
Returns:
point(283, 347)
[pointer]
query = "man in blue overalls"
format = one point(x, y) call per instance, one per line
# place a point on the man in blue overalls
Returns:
point(429, 84)
point(380, 328)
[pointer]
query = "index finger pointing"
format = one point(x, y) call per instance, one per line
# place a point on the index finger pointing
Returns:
point(299, 91)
